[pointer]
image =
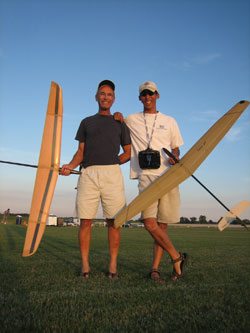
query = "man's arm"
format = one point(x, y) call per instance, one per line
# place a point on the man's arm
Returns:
point(125, 156)
point(76, 160)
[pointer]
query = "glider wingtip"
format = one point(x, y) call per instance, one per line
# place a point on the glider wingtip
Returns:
point(53, 83)
point(244, 101)
point(118, 222)
point(27, 254)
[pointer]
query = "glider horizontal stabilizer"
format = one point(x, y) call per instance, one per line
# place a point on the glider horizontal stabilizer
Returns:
point(233, 215)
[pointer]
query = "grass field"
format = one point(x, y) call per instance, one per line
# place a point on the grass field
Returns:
point(44, 293)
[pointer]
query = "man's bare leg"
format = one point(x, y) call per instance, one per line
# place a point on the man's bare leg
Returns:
point(114, 237)
point(158, 250)
point(84, 242)
point(163, 240)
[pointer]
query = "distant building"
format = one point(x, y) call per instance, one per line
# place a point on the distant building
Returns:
point(52, 220)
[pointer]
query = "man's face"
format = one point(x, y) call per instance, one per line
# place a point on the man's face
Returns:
point(105, 97)
point(148, 99)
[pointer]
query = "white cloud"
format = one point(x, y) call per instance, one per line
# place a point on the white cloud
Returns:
point(239, 132)
point(234, 134)
point(198, 60)
point(205, 59)
point(207, 115)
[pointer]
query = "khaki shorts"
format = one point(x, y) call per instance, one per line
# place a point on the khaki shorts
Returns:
point(167, 208)
point(100, 182)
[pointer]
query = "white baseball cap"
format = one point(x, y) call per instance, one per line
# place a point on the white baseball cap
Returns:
point(148, 85)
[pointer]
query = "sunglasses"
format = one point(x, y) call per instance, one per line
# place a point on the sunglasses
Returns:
point(147, 92)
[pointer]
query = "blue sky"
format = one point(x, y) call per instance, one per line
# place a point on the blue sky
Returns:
point(197, 52)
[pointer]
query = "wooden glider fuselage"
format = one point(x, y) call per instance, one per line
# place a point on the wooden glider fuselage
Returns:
point(186, 166)
point(47, 172)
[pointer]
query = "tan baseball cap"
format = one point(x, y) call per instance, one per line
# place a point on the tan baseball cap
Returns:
point(148, 85)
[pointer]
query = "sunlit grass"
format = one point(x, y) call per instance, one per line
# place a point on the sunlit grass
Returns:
point(44, 293)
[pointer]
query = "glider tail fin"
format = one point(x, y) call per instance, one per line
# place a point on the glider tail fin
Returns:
point(233, 215)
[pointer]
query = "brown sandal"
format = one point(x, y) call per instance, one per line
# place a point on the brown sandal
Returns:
point(112, 276)
point(155, 275)
point(85, 275)
point(184, 259)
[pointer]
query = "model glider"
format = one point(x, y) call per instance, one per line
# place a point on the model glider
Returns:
point(48, 169)
point(47, 172)
point(186, 166)
point(233, 215)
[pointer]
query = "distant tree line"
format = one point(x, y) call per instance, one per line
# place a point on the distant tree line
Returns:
point(203, 220)
point(183, 220)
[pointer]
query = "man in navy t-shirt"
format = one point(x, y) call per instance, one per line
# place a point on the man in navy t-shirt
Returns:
point(100, 138)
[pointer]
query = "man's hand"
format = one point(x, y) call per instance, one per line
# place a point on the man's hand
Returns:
point(65, 170)
point(119, 117)
point(76, 160)
point(171, 161)
point(174, 155)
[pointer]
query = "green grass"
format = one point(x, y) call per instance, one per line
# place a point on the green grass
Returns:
point(44, 293)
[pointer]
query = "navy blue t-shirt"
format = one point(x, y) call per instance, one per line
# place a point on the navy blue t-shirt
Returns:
point(102, 137)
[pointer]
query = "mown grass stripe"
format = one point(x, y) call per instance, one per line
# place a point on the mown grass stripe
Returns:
point(43, 293)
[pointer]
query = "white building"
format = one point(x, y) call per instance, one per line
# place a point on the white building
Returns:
point(52, 220)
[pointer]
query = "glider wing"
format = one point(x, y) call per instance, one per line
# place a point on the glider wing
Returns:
point(47, 172)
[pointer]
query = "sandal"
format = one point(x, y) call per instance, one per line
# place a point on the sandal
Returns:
point(85, 275)
point(112, 275)
point(184, 259)
point(155, 275)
